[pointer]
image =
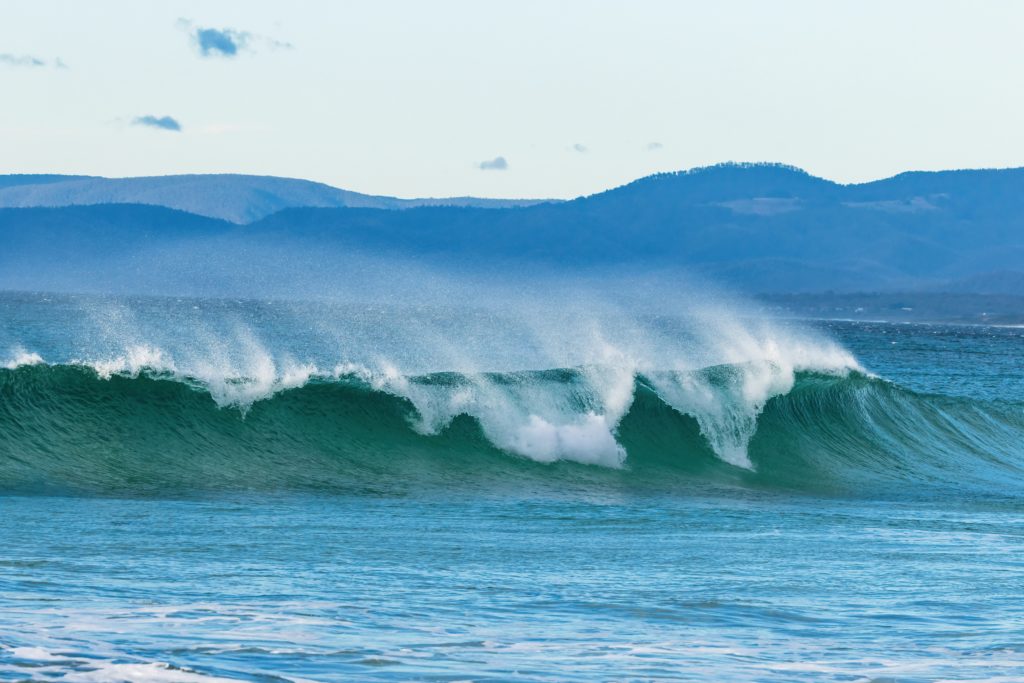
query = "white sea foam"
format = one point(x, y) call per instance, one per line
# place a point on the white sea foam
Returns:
point(588, 440)
point(539, 417)
point(20, 357)
point(135, 359)
point(723, 376)
point(230, 383)
point(34, 654)
point(78, 669)
point(153, 672)
point(756, 364)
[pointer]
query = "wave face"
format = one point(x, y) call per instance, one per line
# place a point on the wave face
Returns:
point(133, 428)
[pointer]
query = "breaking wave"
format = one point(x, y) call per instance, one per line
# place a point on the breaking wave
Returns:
point(139, 425)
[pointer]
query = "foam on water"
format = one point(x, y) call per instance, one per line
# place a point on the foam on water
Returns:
point(135, 360)
point(153, 672)
point(726, 399)
point(20, 357)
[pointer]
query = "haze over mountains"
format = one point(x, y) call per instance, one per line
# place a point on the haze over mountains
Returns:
point(762, 228)
point(231, 197)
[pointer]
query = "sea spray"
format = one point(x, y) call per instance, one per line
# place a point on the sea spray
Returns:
point(19, 357)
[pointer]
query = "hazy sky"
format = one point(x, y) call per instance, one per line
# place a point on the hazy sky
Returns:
point(523, 98)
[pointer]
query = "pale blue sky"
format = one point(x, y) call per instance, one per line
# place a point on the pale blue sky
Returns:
point(409, 98)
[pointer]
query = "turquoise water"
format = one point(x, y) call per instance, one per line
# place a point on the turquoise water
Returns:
point(203, 490)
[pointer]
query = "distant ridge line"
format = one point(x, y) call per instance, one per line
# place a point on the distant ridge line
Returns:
point(237, 198)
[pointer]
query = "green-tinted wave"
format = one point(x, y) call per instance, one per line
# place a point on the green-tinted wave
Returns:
point(65, 429)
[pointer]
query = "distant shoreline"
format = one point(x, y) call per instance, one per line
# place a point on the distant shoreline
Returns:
point(993, 310)
point(900, 307)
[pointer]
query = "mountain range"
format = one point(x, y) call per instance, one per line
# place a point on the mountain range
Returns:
point(231, 197)
point(758, 227)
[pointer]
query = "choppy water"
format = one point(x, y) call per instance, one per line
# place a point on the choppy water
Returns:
point(194, 490)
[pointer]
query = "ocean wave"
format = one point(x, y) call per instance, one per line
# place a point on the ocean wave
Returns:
point(139, 425)
point(545, 416)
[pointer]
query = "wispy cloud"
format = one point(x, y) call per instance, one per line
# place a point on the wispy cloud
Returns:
point(227, 42)
point(161, 122)
point(495, 164)
point(654, 146)
point(30, 61)
point(582, 149)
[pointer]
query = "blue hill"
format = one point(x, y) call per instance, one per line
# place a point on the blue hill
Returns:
point(231, 197)
point(759, 227)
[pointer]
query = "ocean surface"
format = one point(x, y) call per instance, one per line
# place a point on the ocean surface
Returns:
point(207, 489)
